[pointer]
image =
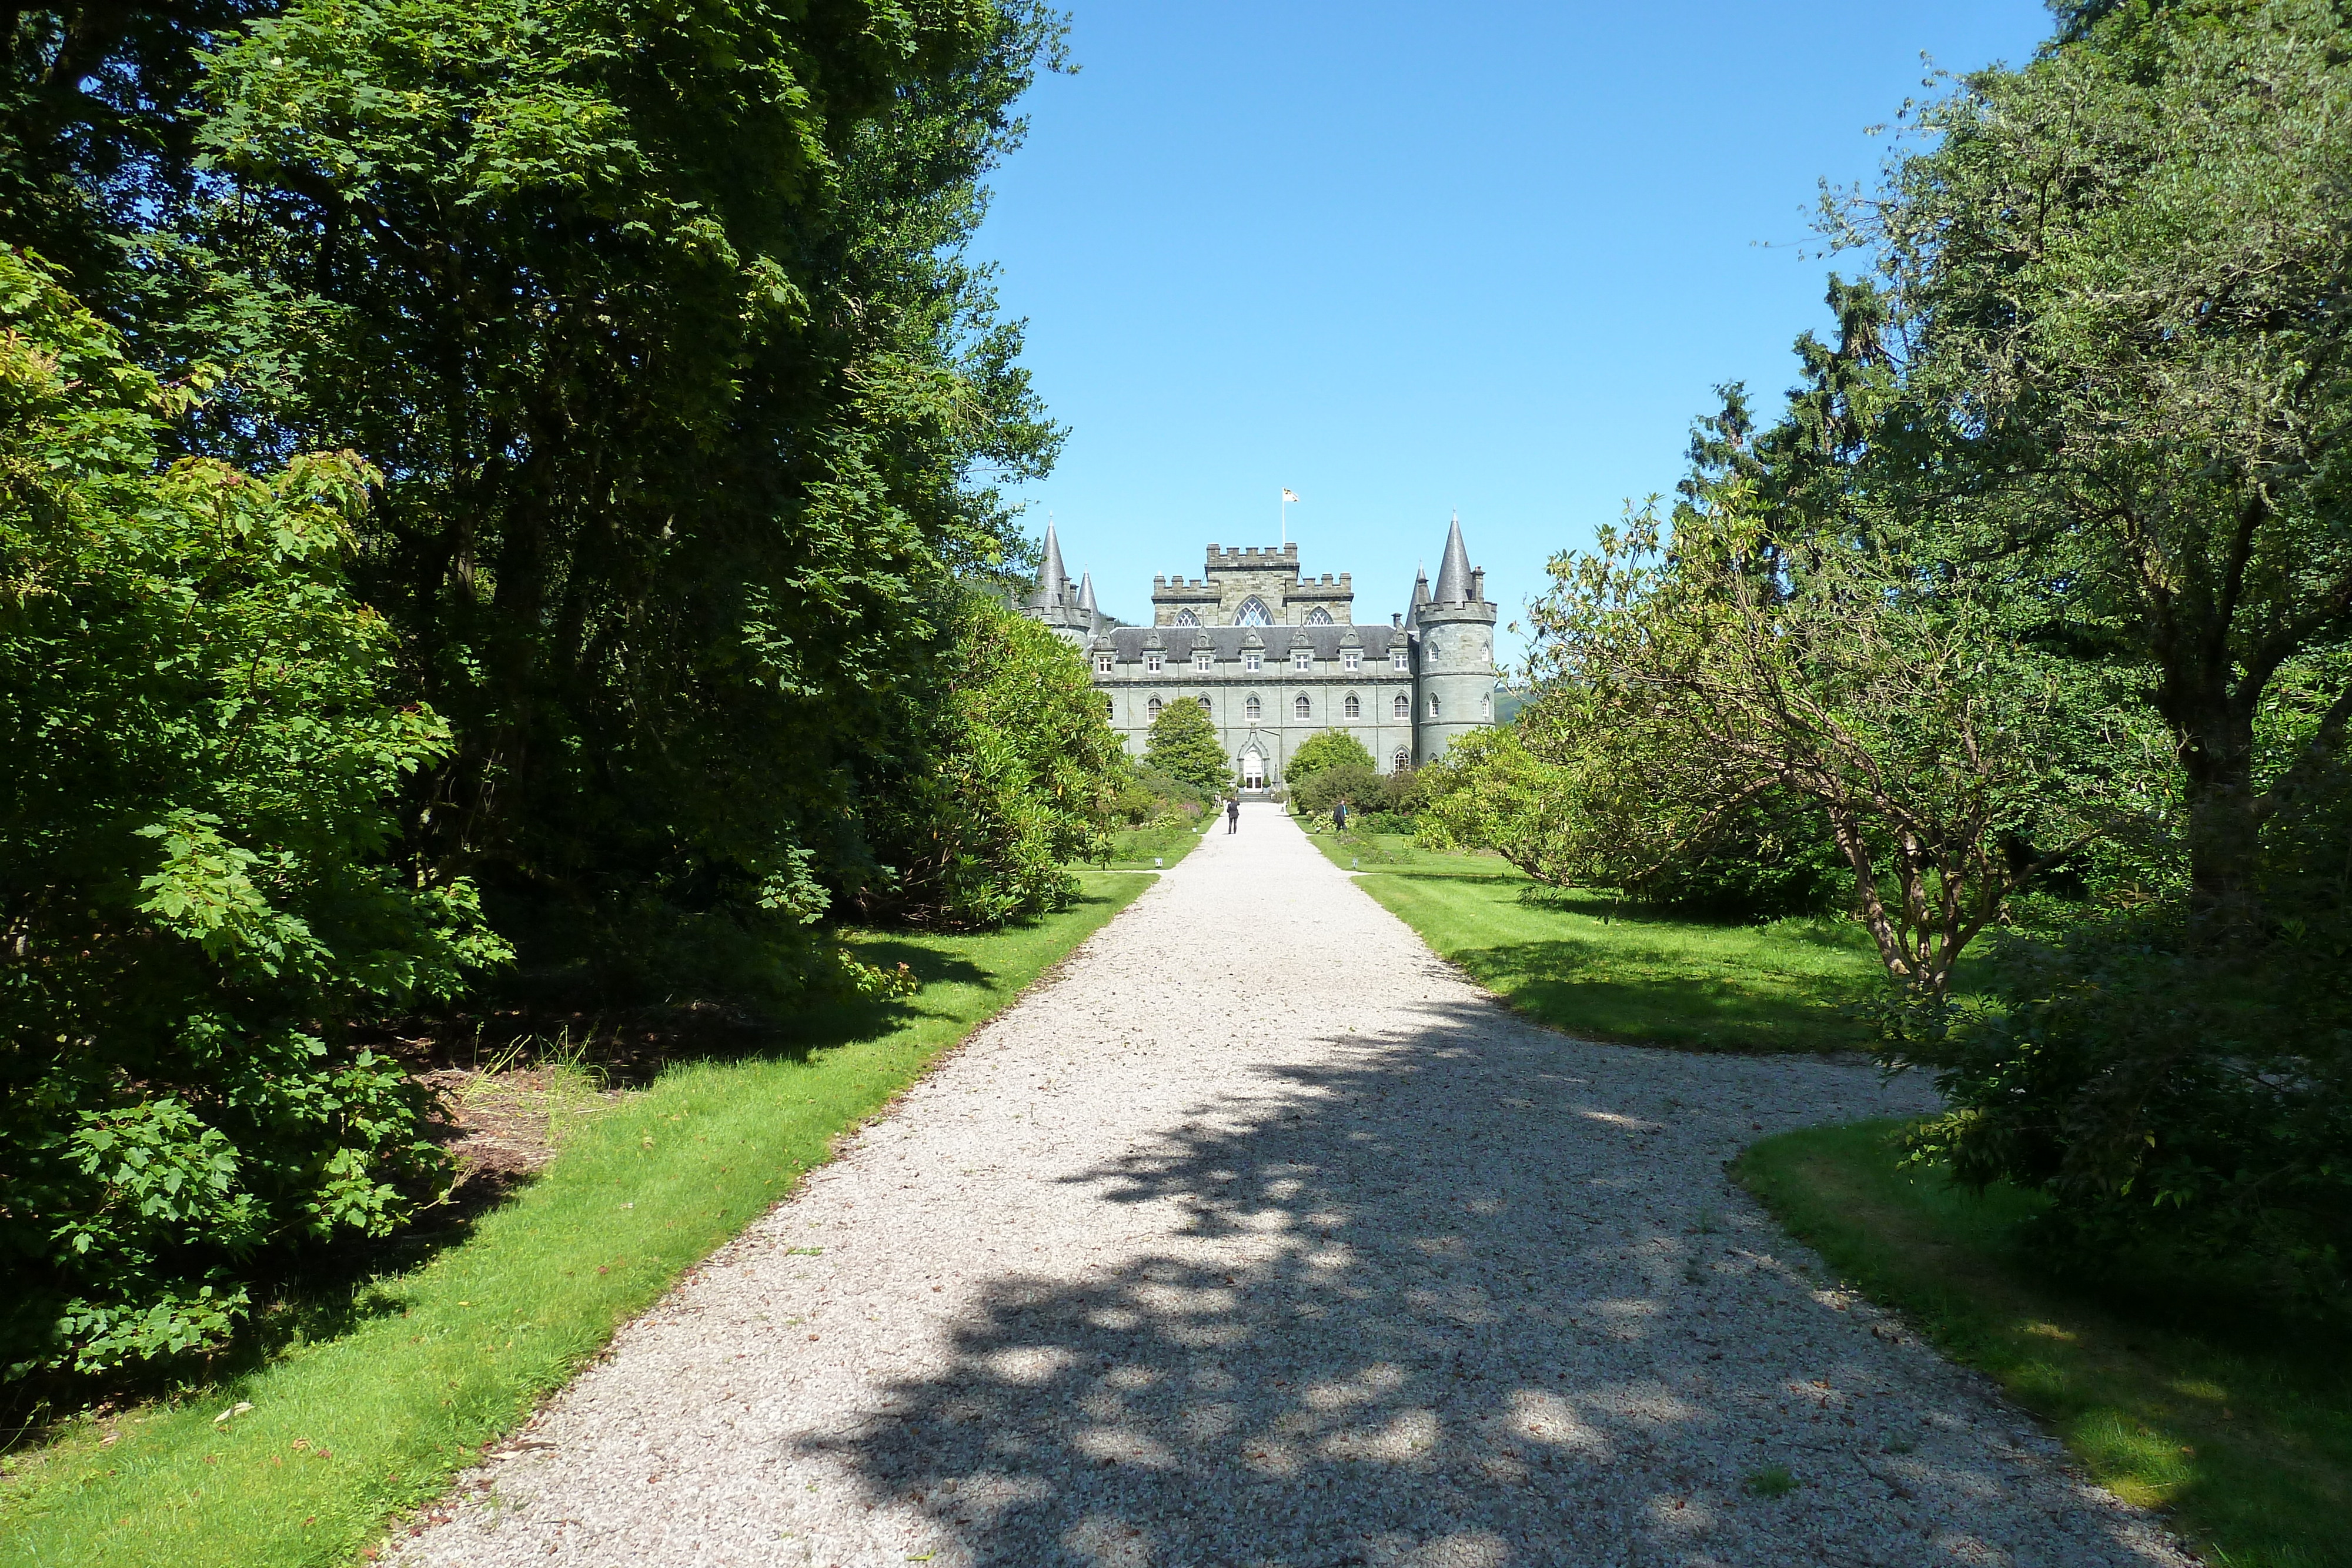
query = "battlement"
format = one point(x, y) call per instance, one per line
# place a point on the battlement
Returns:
point(1252, 557)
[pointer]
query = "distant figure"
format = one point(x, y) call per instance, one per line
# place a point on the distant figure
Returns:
point(1232, 813)
point(1340, 818)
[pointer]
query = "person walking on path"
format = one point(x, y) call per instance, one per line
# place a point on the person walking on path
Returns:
point(1232, 813)
point(1339, 816)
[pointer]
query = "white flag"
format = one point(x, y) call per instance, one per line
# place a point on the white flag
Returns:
point(1289, 494)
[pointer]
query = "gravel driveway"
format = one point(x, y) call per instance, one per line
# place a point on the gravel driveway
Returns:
point(1257, 1236)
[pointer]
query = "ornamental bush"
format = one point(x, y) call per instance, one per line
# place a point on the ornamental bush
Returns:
point(1325, 749)
point(193, 775)
point(1183, 744)
point(1009, 774)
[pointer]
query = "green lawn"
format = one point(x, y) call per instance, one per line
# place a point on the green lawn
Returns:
point(2243, 1430)
point(347, 1430)
point(1135, 849)
point(1584, 963)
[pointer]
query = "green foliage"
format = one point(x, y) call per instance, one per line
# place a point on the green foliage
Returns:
point(1151, 795)
point(1016, 774)
point(1357, 783)
point(689, 399)
point(197, 769)
point(1325, 748)
point(2172, 1103)
point(444, 1358)
point(1183, 744)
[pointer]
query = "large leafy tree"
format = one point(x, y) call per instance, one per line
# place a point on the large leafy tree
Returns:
point(1183, 744)
point(687, 404)
point(2119, 281)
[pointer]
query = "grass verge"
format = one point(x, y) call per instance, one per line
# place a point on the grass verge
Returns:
point(1135, 849)
point(1593, 966)
point(2241, 1431)
point(347, 1431)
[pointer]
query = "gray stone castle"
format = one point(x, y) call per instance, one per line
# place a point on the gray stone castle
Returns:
point(1273, 657)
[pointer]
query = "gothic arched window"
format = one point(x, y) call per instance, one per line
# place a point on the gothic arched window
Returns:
point(1354, 709)
point(1403, 760)
point(1486, 707)
point(1204, 703)
point(1432, 705)
point(1300, 705)
point(1152, 707)
point(1251, 710)
point(1253, 613)
point(1318, 616)
point(1404, 706)
point(1186, 618)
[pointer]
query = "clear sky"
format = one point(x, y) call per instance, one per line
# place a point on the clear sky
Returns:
point(1409, 258)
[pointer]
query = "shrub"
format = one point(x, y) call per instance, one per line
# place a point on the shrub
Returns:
point(195, 770)
point(1354, 782)
point(1012, 773)
point(2183, 1106)
point(1183, 744)
point(1324, 749)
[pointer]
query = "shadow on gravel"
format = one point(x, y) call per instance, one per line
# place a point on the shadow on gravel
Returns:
point(1467, 1296)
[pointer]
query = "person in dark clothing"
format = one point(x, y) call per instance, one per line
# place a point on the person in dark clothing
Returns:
point(1232, 813)
point(1340, 817)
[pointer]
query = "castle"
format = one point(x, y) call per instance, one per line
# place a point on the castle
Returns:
point(1273, 657)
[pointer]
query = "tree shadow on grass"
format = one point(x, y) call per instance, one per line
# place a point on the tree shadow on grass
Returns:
point(1458, 1298)
point(1585, 989)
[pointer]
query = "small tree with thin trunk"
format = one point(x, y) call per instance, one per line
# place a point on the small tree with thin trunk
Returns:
point(1952, 768)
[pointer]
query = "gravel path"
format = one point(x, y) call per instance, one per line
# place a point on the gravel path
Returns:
point(1257, 1236)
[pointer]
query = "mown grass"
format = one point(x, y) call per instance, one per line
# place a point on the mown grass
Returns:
point(352, 1429)
point(2240, 1427)
point(1597, 967)
point(1135, 849)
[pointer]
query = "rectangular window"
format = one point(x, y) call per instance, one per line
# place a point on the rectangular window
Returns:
point(1300, 659)
point(1152, 664)
point(1252, 663)
point(1396, 659)
point(1102, 663)
point(1351, 660)
point(1201, 661)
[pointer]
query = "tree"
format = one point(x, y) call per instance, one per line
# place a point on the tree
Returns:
point(1183, 744)
point(1490, 791)
point(1325, 748)
point(1752, 660)
point(1011, 778)
point(691, 405)
point(197, 772)
point(2118, 279)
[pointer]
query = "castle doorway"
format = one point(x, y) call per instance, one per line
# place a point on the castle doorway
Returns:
point(1253, 770)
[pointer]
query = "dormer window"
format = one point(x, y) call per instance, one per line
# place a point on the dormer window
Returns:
point(1351, 659)
point(1153, 664)
point(1201, 661)
point(1103, 666)
point(1253, 662)
point(1396, 658)
point(1301, 659)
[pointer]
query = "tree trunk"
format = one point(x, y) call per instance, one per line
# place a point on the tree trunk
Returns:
point(2217, 756)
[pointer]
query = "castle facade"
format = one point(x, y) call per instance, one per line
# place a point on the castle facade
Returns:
point(1274, 657)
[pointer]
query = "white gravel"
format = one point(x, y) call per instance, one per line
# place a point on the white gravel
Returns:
point(1258, 1235)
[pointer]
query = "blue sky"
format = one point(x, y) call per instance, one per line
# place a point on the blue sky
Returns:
point(1404, 258)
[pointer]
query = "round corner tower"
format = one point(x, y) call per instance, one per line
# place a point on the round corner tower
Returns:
point(1454, 655)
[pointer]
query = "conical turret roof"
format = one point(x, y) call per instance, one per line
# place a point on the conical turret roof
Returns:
point(1051, 581)
point(1453, 573)
point(1087, 597)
